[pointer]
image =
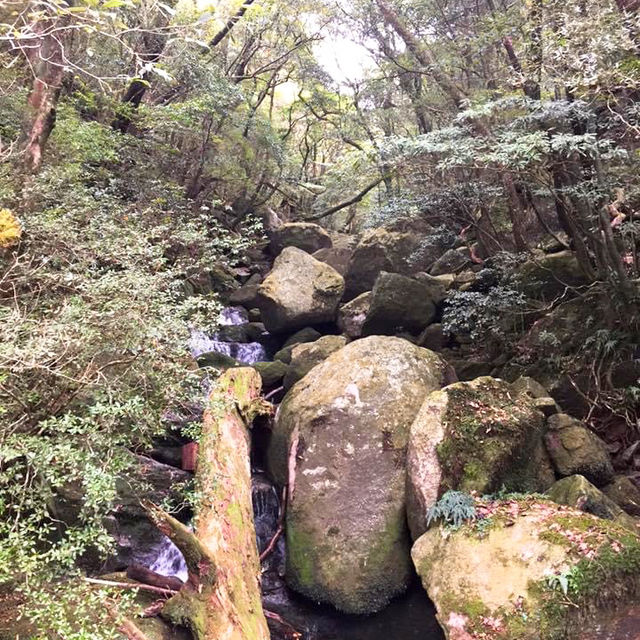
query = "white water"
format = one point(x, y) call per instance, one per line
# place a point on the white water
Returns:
point(168, 560)
point(248, 353)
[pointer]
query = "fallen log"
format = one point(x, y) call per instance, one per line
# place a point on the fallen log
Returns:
point(141, 574)
point(221, 598)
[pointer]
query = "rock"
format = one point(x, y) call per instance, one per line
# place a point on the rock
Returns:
point(255, 315)
point(468, 369)
point(625, 493)
point(247, 295)
point(433, 338)
point(531, 387)
point(308, 334)
point(306, 356)
point(473, 436)
point(271, 373)
point(217, 360)
point(347, 542)
point(547, 405)
point(379, 250)
point(156, 628)
point(437, 286)
point(452, 261)
point(576, 450)
point(299, 291)
point(577, 492)
point(626, 374)
point(306, 236)
point(398, 303)
point(336, 257)
point(528, 569)
point(351, 316)
point(548, 275)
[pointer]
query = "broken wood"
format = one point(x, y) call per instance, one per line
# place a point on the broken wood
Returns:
point(221, 598)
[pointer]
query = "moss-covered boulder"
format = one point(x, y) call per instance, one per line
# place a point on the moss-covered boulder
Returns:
point(306, 356)
point(574, 449)
point(527, 569)
point(473, 436)
point(351, 316)
point(299, 291)
point(547, 276)
point(347, 541)
point(398, 304)
point(271, 373)
point(451, 261)
point(303, 235)
point(577, 492)
point(382, 250)
point(625, 493)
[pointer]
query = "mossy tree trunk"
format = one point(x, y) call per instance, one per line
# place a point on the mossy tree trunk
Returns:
point(221, 599)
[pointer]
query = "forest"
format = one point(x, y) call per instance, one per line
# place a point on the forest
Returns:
point(319, 319)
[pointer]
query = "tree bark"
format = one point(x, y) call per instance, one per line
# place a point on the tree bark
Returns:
point(221, 599)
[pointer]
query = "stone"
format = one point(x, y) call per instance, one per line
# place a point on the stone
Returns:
point(473, 436)
point(351, 316)
point(468, 369)
point(308, 334)
point(398, 304)
point(336, 257)
point(433, 337)
point(577, 492)
point(625, 493)
point(272, 373)
point(306, 356)
point(528, 569)
point(547, 405)
point(216, 360)
point(437, 286)
point(347, 541)
point(302, 235)
point(547, 276)
point(525, 384)
point(452, 261)
point(299, 291)
point(247, 295)
point(379, 250)
point(574, 449)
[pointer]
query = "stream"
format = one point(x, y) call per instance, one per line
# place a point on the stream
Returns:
point(408, 617)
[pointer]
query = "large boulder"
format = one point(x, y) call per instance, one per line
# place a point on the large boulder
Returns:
point(347, 540)
point(306, 356)
point(382, 250)
point(625, 493)
point(574, 449)
point(577, 492)
point(473, 436)
point(451, 261)
point(247, 295)
point(398, 304)
point(299, 291)
point(547, 276)
point(527, 569)
point(351, 316)
point(303, 235)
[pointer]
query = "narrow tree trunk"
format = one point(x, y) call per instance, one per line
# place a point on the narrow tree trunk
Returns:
point(221, 599)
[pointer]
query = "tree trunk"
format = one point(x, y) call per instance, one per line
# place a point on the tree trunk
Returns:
point(46, 57)
point(221, 599)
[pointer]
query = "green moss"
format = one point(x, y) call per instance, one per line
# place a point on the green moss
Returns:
point(234, 513)
point(299, 561)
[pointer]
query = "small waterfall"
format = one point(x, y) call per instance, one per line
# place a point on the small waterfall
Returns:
point(266, 509)
point(247, 353)
point(168, 561)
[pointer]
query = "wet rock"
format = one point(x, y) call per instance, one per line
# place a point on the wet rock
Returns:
point(351, 316)
point(247, 295)
point(306, 356)
point(271, 373)
point(452, 261)
point(576, 450)
point(216, 360)
point(625, 493)
point(577, 492)
point(506, 574)
point(473, 436)
point(347, 542)
point(398, 304)
point(302, 235)
point(299, 291)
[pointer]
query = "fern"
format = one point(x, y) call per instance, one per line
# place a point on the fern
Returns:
point(454, 508)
